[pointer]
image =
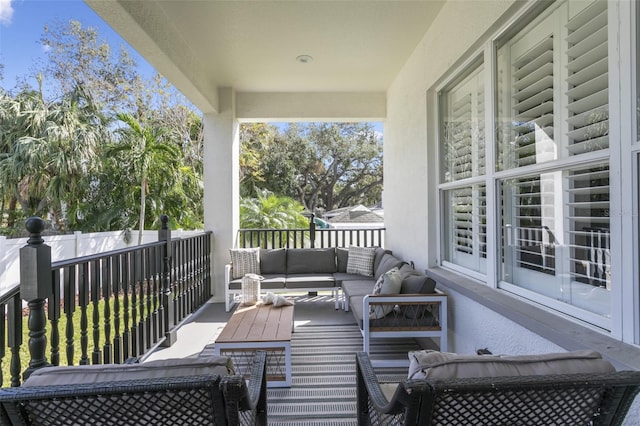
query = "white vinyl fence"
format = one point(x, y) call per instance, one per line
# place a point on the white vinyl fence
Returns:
point(68, 247)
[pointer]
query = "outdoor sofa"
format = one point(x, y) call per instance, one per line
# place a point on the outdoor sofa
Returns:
point(190, 391)
point(387, 296)
point(288, 269)
point(573, 388)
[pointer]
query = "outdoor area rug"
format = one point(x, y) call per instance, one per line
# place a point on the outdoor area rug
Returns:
point(323, 349)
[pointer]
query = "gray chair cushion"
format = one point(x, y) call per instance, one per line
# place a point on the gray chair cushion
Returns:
point(273, 261)
point(442, 365)
point(310, 281)
point(311, 261)
point(78, 374)
point(387, 262)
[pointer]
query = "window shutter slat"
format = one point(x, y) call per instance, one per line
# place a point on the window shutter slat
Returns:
point(588, 93)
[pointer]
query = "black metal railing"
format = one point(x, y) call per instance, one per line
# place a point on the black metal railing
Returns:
point(305, 238)
point(109, 306)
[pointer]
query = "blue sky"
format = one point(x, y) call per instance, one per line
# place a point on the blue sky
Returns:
point(22, 24)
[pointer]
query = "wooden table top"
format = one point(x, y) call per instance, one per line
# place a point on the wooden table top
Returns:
point(258, 323)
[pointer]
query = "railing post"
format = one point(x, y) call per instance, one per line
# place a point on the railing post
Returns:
point(166, 306)
point(312, 230)
point(35, 287)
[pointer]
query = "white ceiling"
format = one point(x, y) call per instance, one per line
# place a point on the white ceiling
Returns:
point(251, 46)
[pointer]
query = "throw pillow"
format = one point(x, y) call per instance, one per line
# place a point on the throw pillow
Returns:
point(360, 261)
point(244, 261)
point(443, 365)
point(388, 283)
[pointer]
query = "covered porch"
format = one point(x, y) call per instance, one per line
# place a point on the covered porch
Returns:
point(454, 213)
point(423, 68)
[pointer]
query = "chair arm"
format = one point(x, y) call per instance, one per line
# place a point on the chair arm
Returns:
point(370, 395)
point(437, 300)
point(84, 403)
point(251, 396)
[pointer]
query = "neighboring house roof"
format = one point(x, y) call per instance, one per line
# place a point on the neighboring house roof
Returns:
point(357, 214)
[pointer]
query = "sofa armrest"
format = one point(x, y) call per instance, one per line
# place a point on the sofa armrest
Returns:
point(398, 323)
point(435, 303)
point(228, 269)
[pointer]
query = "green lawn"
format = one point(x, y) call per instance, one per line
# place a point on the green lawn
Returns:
point(76, 320)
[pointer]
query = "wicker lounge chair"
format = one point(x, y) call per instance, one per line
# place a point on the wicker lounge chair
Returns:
point(187, 400)
point(572, 399)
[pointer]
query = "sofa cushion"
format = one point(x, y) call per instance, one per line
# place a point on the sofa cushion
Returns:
point(360, 287)
point(387, 262)
point(388, 283)
point(98, 373)
point(310, 281)
point(311, 261)
point(273, 261)
point(417, 284)
point(378, 257)
point(341, 277)
point(443, 365)
point(342, 257)
point(406, 270)
point(360, 260)
point(269, 282)
point(244, 261)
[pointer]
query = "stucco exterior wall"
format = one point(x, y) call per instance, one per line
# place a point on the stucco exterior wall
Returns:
point(410, 168)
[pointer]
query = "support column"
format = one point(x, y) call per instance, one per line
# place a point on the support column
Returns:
point(221, 184)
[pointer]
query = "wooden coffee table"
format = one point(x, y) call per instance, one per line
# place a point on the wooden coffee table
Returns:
point(259, 327)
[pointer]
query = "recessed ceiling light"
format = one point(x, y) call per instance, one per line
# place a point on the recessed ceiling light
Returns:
point(304, 59)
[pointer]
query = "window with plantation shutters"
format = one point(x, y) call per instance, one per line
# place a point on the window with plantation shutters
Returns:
point(543, 69)
point(588, 202)
point(553, 106)
point(588, 80)
point(530, 232)
point(463, 128)
point(467, 227)
point(549, 178)
point(528, 102)
point(463, 162)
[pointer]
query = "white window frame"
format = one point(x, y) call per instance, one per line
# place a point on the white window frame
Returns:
point(624, 165)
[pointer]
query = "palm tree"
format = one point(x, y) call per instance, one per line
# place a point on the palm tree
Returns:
point(271, 211)
point(49, 151)
point(145, 150)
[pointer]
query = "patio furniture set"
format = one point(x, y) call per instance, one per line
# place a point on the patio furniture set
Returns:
point(253, 351)
point(386, 295)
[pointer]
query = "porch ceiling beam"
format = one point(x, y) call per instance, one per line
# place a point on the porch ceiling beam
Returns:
point(311, 106)
point(155, 37)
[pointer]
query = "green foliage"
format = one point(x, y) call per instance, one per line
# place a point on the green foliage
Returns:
point(322, 165)
point(271, 211)
point(70, 161)
point(50, 150)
